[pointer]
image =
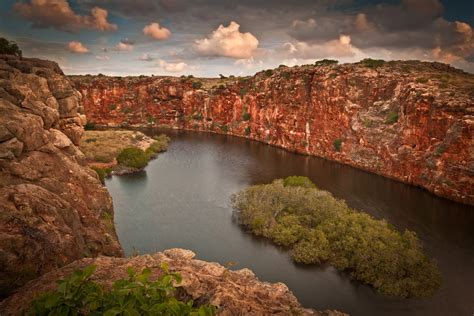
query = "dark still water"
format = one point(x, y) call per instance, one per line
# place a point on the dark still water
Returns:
point(182, 200)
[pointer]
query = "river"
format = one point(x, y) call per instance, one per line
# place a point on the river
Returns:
point(183, 200)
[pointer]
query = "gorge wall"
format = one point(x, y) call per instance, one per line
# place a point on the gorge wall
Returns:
point(56, 216)
point(410, 121)
point(53, 208)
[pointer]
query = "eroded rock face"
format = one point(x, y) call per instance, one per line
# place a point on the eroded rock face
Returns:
point(410, 121)
point(233, 292)
point(53, 208)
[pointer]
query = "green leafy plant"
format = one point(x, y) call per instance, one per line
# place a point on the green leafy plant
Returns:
point(224, 128)
point(133, 157)
point(112, 106)
point(136, 295)
point(246, 116)
point(318, 228)
point(247, 130)
point(337, 144)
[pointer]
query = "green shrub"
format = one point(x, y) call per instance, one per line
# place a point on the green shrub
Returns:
point(372, 63)
point(136, 295)
point(268, 72)
point(392, 117)
point(326, 62)
point(133, 157)
point(298, 181)
point(247, 130)
point(286, 74)
point(112, 106)
point(102, 173)
point(197, 85)
point(89, 126)
point(337, 144)
point(160, 145)
point(243, 92)
point(9, 48)
point(246, 116)
point(319, 228)
point(224, 128)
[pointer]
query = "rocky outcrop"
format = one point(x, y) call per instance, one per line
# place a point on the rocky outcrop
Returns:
point(53, 208)
point(410, 121)
point(233, 292)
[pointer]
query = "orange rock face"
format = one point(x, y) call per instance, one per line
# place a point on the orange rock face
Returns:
point(410, 121)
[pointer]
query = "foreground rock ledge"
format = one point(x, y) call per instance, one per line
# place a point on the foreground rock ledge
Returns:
point(234, 292)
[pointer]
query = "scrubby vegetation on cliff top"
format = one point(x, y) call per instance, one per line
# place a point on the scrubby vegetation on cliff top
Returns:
point(319, 228)
point(137, 295)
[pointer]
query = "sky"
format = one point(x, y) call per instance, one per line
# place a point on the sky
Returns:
point(206, 38)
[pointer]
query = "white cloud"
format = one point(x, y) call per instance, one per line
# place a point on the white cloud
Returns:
point(172, 67)
point(102, 57)
point(146, 57)
point(331, 49)
point(124, 45)
point(154, 30)
point(58, 14)
point(229, 42)
point(77, 48)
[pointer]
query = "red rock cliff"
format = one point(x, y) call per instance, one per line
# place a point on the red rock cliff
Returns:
point(53, 208)
point(409, 121)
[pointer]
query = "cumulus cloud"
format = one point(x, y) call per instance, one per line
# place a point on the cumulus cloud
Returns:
point(102, 57)
point(336, 49)
point(228, 42)
point(77, 48)
point(172, 67)
point(155, 31)
point(59, 15)
point(124, 45)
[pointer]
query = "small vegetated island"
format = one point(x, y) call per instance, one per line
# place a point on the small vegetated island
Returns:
point(319, 228)
point(120, 151)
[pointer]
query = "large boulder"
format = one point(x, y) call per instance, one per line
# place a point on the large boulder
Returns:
point(53, 208)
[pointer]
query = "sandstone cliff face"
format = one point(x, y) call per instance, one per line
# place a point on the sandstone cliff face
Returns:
point(234, 292)
point(53, 208)
point(410, 121)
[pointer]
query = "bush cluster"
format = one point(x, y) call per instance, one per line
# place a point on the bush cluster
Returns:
point(9, 48)
point(372, 63)
point(137, 295)
point(133, 157)
point(319, 228)
point(326, 62)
